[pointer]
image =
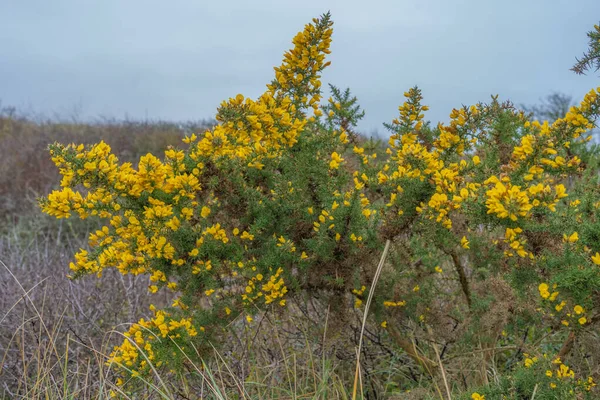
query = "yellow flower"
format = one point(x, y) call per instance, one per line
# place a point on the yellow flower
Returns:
point(507, 201)
point(205, 212)
point(384, 324)
point(596, 258)
point(572, 238)
point(529, 362)
point(247, 236)
point(336, 160)
point(248, 318)
point(477, 396)
point(464, 242)
point(582, 320)
point(543, 289)
point(173, 224)
point(578, 309)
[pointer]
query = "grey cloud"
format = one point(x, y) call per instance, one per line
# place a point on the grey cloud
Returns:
point(179, 59)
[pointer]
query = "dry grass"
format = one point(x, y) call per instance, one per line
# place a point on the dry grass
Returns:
point(55, 335)
point(52, 329)
point(48, 352)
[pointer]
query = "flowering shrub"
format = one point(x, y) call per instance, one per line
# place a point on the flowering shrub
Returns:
point(548, 377)
point(494, 220)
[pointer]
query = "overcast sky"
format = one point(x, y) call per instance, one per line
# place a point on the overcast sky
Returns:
point(178, 59)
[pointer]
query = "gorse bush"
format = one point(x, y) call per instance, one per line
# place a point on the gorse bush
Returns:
point(494, 221)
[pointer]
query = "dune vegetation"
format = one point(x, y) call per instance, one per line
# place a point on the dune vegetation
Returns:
point(278, 253)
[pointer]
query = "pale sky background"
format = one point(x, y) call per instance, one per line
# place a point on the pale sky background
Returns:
point(177, 60)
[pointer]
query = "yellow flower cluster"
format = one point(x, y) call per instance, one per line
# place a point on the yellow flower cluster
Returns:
point(358, 293)
point(411, 114)
point(143, 334)
point(543, 288)
point(400, 303)
point(273, 289)
point(516, 244)
point(61, 203)
point(414, 159)
point(506, 200)
point(300, 72)
point(578, 311)
point(528, 362)
point(562, 372)
point(336, 160)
